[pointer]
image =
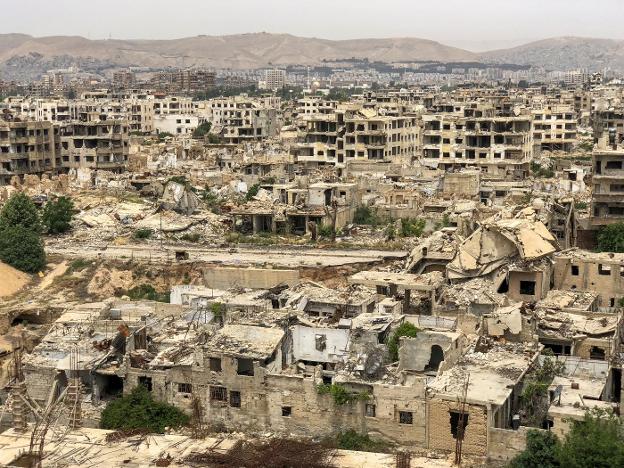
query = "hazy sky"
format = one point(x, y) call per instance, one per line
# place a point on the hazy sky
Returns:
point(475, 24)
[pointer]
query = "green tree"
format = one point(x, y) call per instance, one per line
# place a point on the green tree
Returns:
point(19, 210)
point(595, 441)
point(202, 129)
point(20, 230)
point(252, 192)
point(22, 249)
point(405, 329)
point(611, 238)
point(57, 215)
point(138, 410)
point(541, 451)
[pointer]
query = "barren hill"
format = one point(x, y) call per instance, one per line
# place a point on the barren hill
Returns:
point(563, 53)
point(21, 52)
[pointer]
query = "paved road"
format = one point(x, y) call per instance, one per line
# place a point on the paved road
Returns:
point(284, 257)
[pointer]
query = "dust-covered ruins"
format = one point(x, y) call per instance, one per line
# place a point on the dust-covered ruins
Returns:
point(307, 269)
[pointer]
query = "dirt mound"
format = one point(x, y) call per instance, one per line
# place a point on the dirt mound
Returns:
point(106, 282)
point(11, 280)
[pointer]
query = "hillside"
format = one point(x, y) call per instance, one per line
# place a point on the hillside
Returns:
point(22, 55)
point(563, 53)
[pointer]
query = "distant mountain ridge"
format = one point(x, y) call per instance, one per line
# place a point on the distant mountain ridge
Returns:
point(563, 53)
point(24, 56)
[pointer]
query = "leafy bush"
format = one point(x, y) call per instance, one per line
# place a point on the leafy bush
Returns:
point(405, 329)
point(138, 410)
point(19, 210)
point(340, 394)
point(580, 205)
point(191, 237)
point(78, 265)
point(541, 451)
point(324, 230)
point(412, 227)
point(543, 172)
point(202, 129)
point(163, 135)
point(595, 441)
point(57, 215)
point(22, 249)
point(534, 395)
point(352, 440)
point(611, 238)
point(20, 230)
point(143, 233)
point(148, 293)
point(366, 215)
point(252, 192)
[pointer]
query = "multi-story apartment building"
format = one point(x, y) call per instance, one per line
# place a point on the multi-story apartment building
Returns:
point(173, 105)
point(275, 78)
point(26, 148)
point(241, 118)
point(123, 79)
point(500, 146)
point(554, 127)
point(184, 81)
point(607, 204)
point(94, 145)
point(353, 133)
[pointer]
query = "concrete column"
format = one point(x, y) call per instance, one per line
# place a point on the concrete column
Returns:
point(20, 409)
point(406, 300)
point(255, 221)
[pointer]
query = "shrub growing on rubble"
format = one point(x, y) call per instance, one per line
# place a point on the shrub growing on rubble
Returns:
point(340, 394)
point(405, 329)
point(144, 233)
point(412, 227)
point(596, 440)
point(148, 293)
point(57, 215)
point(20, 230)
point(22, 249)
point(202, 129)
point(138, 410)
point(19, 210)
point(252, 192)
point(611, 238)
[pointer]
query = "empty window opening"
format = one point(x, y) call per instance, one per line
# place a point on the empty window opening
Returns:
point(437, 356)
point(111, 386)
point(245, 367)
point(215, 364)
point(558, 349)
point(406, 417)
point(370, 410)
point(286, 410)
point(458, 424)
point(320, 342)
point(604, 269)
point(597, 353)
point(185, 388)
point(235, 399)
point(575, 270)
point(218, 393)
point(504, 287)
point(527, 288)
point(146, 382)
point(612, 302)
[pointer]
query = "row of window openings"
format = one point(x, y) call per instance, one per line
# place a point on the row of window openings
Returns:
point(218, 393)
point(604, 270)
point(243, 366)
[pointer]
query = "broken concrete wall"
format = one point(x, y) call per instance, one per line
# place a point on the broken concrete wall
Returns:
point(319, 344)
point(255, 278)
point(418, 353)
point(441, 432)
